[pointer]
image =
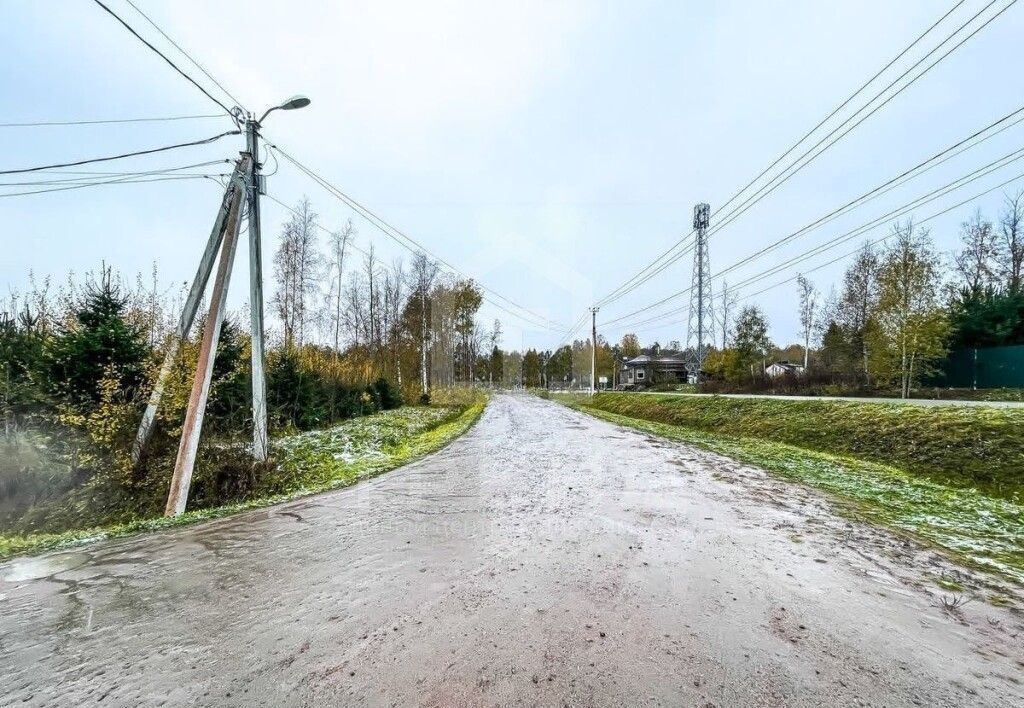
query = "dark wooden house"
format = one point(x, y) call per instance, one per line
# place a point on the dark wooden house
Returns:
point(645, 371)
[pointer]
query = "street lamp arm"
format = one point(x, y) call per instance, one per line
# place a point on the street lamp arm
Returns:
point(290, 105)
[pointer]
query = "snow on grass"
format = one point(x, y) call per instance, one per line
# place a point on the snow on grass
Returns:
point(310, 462)
point(360, 439)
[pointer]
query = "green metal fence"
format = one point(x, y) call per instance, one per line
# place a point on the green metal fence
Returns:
point(995, 367)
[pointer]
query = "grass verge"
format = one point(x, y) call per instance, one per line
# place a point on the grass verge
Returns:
point(980, 530)
point(311, 462)
point(965, 447)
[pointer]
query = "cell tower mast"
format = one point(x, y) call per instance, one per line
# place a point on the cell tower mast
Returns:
point(701, 312)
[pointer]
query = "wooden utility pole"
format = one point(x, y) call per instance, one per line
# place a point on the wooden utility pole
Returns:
point(593, 350)
point(259, 380)
point(188, 312)
point(183, 466)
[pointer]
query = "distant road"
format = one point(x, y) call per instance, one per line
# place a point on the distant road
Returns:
point(927, 402)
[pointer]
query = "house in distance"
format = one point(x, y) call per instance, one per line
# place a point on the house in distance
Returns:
point(782, 368)
point(645, 371)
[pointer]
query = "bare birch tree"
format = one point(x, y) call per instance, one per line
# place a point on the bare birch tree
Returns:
point(727, 300)
point(339, 243)
point(808, 310)
point(296, 270)
point(394, 300)
point(976, 262)
point(421, 280)
point(1011, 246)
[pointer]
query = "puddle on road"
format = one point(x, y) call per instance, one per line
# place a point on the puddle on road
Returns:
point(22, 569)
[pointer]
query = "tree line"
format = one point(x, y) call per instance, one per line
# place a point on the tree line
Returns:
point(350, 335)
point(899, 310)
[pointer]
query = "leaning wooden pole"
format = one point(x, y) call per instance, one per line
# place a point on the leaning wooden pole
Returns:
point(188, 314)
point(181, 480)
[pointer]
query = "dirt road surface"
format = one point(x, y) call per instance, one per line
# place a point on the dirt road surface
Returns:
point(545, 558)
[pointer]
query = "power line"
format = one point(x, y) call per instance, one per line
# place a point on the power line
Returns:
point(625, 288)
point(50, 123)
point(151, 151)
point(164, 57)
point(957, 148)
point(406, 241)
point(842, 105)
point(97, 180)
point(850, 253)
point(628, 286)
point(868, 226)
point(915, 171)
point(897, 213)
point(888, 236)
point(575, 328)
point(367, 253)
point(185, 53)
point(783, 177)
point(102, 183)
point(89, 176)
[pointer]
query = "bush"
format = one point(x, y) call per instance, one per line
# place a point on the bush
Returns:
point(98, 343)
point(386, 396)
point(424, 399)
point(303, 394)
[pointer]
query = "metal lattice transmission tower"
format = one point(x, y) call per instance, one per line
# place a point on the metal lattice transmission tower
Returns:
point(701, 323)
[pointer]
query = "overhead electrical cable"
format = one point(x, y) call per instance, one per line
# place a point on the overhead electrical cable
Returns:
point(786, 174)
point(163, 119)
point(186, 54)
point(102, 183)
point(89, 176)
point(122, 156)
point(865, 228)
point(408, 242)
point(888, 236)
point(833, 260)
point(628, 286)
point(782, 177)
point(366, 253)
point(164, 57)
point(841, 106)
point(967, 143)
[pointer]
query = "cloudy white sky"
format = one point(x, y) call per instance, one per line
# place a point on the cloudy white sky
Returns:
point(549, 149)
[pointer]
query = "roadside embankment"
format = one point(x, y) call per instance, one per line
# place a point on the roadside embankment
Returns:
point(306, 463)
point(982, 447)
point(949, 477)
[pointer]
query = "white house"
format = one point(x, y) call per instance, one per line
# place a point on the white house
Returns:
point(781, 368)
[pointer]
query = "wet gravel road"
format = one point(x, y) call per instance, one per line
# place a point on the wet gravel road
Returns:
point(545, 558)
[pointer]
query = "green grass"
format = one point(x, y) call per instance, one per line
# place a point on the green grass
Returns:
point(981, 530)
point(310, 462)
point(963, 446)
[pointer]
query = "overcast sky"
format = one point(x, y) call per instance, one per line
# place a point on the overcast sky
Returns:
point(549, 149)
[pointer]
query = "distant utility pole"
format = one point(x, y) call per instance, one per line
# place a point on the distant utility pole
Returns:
point(701, 308)
point(593, 349)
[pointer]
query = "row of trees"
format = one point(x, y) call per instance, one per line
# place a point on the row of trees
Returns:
point(896, 314)
point(415, 325)
point(350, 336)
point(899, 309)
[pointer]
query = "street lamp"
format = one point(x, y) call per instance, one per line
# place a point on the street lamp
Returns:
point(255, 188)
point(291, 104)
